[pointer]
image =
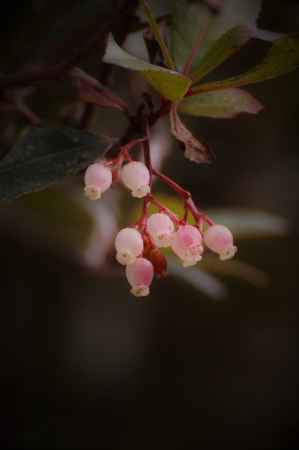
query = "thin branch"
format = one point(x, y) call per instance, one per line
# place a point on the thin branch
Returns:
point(147, 152)
point(173, 185)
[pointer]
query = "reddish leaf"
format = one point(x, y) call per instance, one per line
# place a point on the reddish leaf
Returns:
point(194, 150)
point(92, 91)
point(100, 98)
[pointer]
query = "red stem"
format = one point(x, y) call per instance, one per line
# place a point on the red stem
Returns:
point(164, 209)
point(147, 153)
point(142, 221)
point(137, 125)
point(189, 203)
point(172, 184)
point(195, 49)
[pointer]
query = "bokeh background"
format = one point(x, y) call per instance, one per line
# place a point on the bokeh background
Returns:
point(207, 361)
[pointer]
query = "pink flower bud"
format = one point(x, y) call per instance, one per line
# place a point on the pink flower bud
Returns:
point(140, 276)
point(160, 228)
point(129, 245)
point(219, 239)
point(98, 178)
point(136, 177)
point(187, 245)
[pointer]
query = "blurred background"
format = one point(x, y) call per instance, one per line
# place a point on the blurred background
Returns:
point(211, 357)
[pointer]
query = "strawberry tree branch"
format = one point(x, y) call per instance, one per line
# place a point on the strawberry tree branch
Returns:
point(118, 22)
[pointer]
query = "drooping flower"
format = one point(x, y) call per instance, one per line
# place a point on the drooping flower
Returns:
point(98, 179)
point(140, 276)
point(160, 228)
point(187, 245)
point(219, 239)
point(129, 245)
point(136, 177)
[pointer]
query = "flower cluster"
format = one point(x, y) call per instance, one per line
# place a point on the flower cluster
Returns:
point(138, 248)
point(185, 240)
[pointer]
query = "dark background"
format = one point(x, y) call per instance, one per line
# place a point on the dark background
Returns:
point(86, 366)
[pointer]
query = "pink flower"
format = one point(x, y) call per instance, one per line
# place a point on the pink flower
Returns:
point(129, 245)
point(160, 228)
point(135, 176)
point(98, 179)
point(140, 276)
point(187, 245)
point(219, 239)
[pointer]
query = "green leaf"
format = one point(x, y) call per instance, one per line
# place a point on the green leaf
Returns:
point(172, 85)
point(224, 47)
point(188, 20)
point(156, 32)
point(45, 156)
point(282, 58)
point(224, 104)
point(193, 17)
point(233, 13)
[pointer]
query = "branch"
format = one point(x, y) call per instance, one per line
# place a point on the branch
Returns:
point(94, 35)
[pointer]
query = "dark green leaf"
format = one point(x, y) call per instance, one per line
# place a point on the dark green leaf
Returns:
point(45, 156)
point(228, 44)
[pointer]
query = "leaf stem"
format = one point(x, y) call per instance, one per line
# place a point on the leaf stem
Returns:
point(194, 51)
point(157, 34)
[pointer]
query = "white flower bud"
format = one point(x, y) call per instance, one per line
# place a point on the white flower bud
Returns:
point(98, 178)
point(219, 239)
point(160, 228)
point(135, 176)
point(129, 245)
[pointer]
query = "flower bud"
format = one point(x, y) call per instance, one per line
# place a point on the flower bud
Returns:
point(140, 276)
point(160, 228)
point(98, 178)
point(135, 176)
point(187, 245)
point(219, 239)
point(129, 245)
